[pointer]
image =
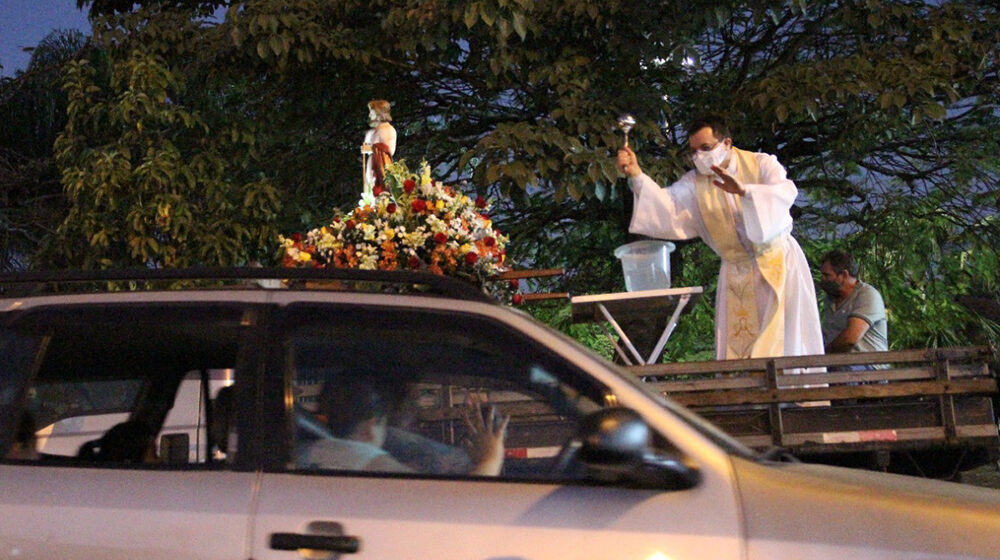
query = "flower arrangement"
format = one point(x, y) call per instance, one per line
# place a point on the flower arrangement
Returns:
point(413, 223)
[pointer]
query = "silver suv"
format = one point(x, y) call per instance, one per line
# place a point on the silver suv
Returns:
point(291, 413)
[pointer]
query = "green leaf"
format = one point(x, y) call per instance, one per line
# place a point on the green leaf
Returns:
point(488, 13)
point(781, 111)
point(519, 25)
point(471, 14)
point(935, 111)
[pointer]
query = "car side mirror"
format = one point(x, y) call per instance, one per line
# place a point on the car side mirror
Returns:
point(615, 446)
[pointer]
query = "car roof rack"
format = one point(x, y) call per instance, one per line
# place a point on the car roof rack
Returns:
point(344, 279)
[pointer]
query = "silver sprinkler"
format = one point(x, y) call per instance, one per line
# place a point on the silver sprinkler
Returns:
point(625, 123)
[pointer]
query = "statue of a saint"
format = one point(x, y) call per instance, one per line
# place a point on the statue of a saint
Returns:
point(379, 144)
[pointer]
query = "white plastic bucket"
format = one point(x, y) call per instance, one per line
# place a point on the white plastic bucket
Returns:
point(646, 264)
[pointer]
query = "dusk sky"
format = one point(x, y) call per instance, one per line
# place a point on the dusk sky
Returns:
point(24, 23)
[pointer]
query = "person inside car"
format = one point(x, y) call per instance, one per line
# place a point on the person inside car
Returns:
point(357, 410)
point(223, 414)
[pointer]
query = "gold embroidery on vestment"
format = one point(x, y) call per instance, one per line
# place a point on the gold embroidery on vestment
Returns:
point(748, 335)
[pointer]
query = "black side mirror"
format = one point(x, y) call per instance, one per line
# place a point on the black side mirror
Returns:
point(613, 438)
point(615, 446)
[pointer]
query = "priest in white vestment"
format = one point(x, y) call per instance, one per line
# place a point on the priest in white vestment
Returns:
point(738, 203)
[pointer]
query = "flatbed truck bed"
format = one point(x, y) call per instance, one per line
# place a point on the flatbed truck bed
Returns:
point(926, 412)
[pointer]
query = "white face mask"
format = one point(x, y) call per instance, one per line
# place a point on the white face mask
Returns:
point(703, 161)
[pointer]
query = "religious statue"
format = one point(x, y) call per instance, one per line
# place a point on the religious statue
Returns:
point(379, 145)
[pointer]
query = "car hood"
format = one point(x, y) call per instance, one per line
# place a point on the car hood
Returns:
point(817, 511)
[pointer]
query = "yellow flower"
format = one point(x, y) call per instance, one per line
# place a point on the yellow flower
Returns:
point(425, 177)
point(368, 231)
point(416, 239)
point(389, 232)
point(439, 205)
point(304, 256)
point(465, 248)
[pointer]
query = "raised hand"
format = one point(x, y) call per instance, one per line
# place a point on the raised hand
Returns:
point(727, 182)
point(486, 435)
point(628, 163)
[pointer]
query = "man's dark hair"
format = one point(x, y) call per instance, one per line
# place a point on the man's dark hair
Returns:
point(841, 260)
point(716, 122)
point(348, 400)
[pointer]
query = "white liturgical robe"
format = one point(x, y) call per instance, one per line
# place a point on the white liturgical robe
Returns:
point(781, 300)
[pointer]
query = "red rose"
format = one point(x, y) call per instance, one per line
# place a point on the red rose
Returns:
point(414, 262)
point(336, 219)
point(349, 225)
point(409, 185)
point(418, 205)
point(297, 237)
point(378, 190)
point(390, 208)
point(514, 283)
point(480, 202)
point(517, 299)
point(489, 241)
point(440, 238)
point(471, 257)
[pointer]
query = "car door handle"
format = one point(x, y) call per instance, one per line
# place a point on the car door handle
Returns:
point(332, 543)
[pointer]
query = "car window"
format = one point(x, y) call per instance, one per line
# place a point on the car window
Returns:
point(399, 392)
point(129, 384)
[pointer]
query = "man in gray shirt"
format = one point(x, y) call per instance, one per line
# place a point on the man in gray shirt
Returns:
point(854, 319)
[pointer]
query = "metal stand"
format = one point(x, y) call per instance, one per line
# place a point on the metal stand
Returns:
point(601, 308)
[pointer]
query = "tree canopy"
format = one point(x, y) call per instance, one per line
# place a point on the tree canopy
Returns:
point(194, 140)
point(33, 110)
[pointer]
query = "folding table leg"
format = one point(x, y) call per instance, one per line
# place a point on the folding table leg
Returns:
point(621, 334)
point(669, 329)
point(618, 347)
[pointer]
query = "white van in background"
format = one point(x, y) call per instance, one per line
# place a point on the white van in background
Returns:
point(83, 419)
